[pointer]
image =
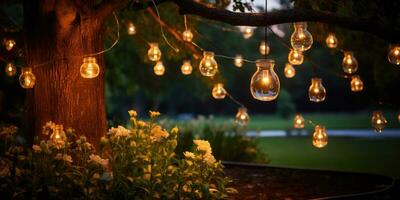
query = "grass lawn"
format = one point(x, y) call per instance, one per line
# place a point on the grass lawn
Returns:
point(378, 156)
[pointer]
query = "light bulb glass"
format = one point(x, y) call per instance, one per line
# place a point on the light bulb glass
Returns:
point(89, 68)
point(131, 28)
point(316, 92)
point(218, 91)
point(394, 54)
point(187, 35)
point(159, 68)
point(9, 44)
point(378, 121)
point(154, 53)
point(27, 78)
point(263, 48)
point(208, 66)
point(331, 41)
point(301, 39)
point(248, 32)
point(265, 85)
point(320, 138)
point(298, 121)
point(398, 117)
point(356, 84)
point(295, 57)
point(289, 71)
point(238, 61)
point(242, 118)
point(186, 68)
point(349, 63)
point(10, 69)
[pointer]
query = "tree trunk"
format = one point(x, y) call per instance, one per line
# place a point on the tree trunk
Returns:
point(57, 34)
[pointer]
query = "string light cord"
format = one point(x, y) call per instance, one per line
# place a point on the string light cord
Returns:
point(234, 100)
point(233, 58)
point(185, 22)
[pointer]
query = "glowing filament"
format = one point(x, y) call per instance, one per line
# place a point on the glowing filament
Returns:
point(298, 121)
point(316, 92)
point(394, 54)
point(378, 121)
point(320, 138)
point(295, 57)
point(265, 84)
point(301, 39)
point(331, 41)
point(9, 44)
point(154, 53)
point(89, 68)
point(349, 63)
point(289, 71)
point(208, 66)
point(238, 61)
point(242, 118)
point(159, 69)
point(248, 32)
point(186, 68)
point(10, 69)
point(356, 84)
point(218, 91)
point(27, 78)
point(187, 35)
point(131, 29)
point(263, 48)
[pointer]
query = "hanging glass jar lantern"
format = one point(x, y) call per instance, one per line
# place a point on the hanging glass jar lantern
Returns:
point(349, 63)
point(10, 69)
point(295, 57)
point(159, 68)
point(298, 121)
point(238, 61)
point(394, 54)
point(208, 66)
point(186, 68)
point(263, 48)
point(289, 71)
point(378, 121)
point(242, 118)
point(154, 53)
point(218, 91)
point(301, 39)
point(356, 84)
point(89, 68)
point(187, 35)
point(320, 138)
point(316, 92)
point(27, 78)
point(265, 85)
point(331, 41)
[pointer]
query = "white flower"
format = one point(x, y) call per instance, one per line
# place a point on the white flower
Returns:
point(98, 159)
point(120, 131)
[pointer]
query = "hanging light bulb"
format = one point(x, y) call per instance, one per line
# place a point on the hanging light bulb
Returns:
point(295, 57)
point(331, 41)
point(89, 68)
point(154, 53)
point(186, 68)
point(27, 78)
point(265, 85)
point(398, 117)
point(394, 54)
point(242, 118)
point(208, 66)
point(289, 71)
point(159, 69)
point(10, 69)
point(247, 32)
point(316, 92)
point(349, 63)
point(218, 91)
point(238, 61)
point(301, 39)
point(320, 138)
point(131, 28)
point(356, 84)
point(378, 121)
point(9, 44)
point(298, 121)
point(263, 48)
point(187, 35)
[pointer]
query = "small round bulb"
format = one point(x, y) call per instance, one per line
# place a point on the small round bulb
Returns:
point(131, 28)
point(349, 63)
point(295, 57)
point(356, 84)
point(242, 118)
point(238, 61)
point(263, 48)
point(247, 32)
point(378, 121)
point(208, 66)
point(331, 41)
point(9, 44)
point(10, 69)
point(265, 84)
point(159, 68)
point(316, 92)
point(289, 71)
point(186, 67)
point(187, 35)
point(320, 138)
point(89, 68)
point(394, 54)
point(27, 78)
point(154, 53)
point(301, 39)
point(218, 91)
point(298, 121)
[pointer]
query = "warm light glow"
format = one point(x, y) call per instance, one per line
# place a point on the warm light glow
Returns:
point(131, 28)
point(238, 61)
point(218, 91)
point(349, 63)
point(331, 41)
point(186, 67)
point(187, 35)
point(10, 69)
point(242, 118)
point(356, 84)
point(295, 57)
point(301, 39)
point(398, 117)
point(320, 138)
point(208, 66)
point(89, 68)
point(289, 71)
point(316, 92)
point(263, 48)
point(394, 54)
point(248, 32)
point(298, 121)
point(378, 121)
point(154, 53)
point(9, 44)
point(27, 78)
point(159, 69)
point(265, 85)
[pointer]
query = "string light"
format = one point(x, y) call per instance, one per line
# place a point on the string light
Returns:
point(301, 39)
point(186, 68)
point(27, 78)
point(154, 52)
point(265, 85)
point(248, 32)
point(316, 92)
point(131, 28)
point(295, 57)
point(208, 66)
point(378, 121)
point(9, 44)
point(242, 118)
point(10, 69)
point(263, 48)
point(238, 61)
point(89, 68)
point(394, 54)
point(349, 63)
point(289, 71)
point(356, 84)
point(187, 35)
point(398, 117)
point(298, 121)
point(320, 137)
point(218, 91)
point(159, 68)
point(331, 41)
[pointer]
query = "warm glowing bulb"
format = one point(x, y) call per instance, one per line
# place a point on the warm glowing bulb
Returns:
point(238, 61)
point(356, 84)
point(9, 44)
point(316, 92)
point(247, 32)
point(263, 48)
point(187, 35)
point(218, 91)
point(10, 69)
point(186, 68)
point(320, 138)
point(349, 63)
point(301, 39)
point(378, 121)
point(289, 71)
point(295, 57)
point(398, 117)
point(131, 28)
point(298, 121)
point(265, 85)
point(208, 66)
point(394, 54)
point(159, 69)
point(89, 68)
point(154, 53)
point(331, 41)
point(242, 118)
point(27, 78)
